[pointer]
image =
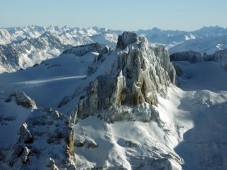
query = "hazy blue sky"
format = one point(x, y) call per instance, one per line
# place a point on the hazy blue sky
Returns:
point(115, 14)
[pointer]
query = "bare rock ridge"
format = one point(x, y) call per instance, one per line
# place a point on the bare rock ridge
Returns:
point(190, 56)
point(196, 57)
point(84, 49)
point(139, 72)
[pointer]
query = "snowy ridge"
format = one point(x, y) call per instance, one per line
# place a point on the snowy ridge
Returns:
point(205, 40)
point(23, 47)
point(19, 50)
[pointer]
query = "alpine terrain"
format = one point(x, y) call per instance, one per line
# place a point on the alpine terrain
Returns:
point(23, 47)
point(73, 98)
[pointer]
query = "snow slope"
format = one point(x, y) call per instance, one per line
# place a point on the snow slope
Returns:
point(204, 146)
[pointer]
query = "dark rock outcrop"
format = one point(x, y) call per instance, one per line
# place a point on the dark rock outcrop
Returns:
point(25, 155)
point(22, 99)
point(84, 49)
point(25, 134)
point(125, 39)
point(191, 56)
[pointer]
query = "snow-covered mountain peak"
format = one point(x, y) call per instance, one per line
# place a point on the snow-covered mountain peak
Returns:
point(135, 76)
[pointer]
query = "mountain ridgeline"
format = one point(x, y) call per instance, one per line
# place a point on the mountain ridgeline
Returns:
point(23, 47)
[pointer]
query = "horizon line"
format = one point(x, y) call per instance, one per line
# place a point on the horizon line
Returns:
point(113, 29)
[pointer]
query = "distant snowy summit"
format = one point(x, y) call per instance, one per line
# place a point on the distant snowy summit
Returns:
point(23, 47)
point(205, 40)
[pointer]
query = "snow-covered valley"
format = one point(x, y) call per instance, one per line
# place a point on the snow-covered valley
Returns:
point(56, 109)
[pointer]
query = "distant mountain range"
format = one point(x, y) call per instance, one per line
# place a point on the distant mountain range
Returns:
point(23, 47)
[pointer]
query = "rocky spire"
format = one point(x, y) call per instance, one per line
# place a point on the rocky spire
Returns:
point(125, 39)
point(139, 72)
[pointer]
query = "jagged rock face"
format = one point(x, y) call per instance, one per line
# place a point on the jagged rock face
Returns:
point(125, 39)
point(22, 99)
point(25, 154)
point(25, 134)
point(164, 57)
point(139, 73)
point(191, 56)
point(46, 134)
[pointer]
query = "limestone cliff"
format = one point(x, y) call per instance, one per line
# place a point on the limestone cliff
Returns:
point(140, 71)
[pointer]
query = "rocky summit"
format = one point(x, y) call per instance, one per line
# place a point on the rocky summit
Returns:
point(138, 73)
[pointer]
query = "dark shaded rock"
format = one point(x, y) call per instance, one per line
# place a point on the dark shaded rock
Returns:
point(25, 134)
point(125, 39)
point(25, 155)
point(22, 99)
point(190, 56)
point(64, 101)
point(85, 49)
